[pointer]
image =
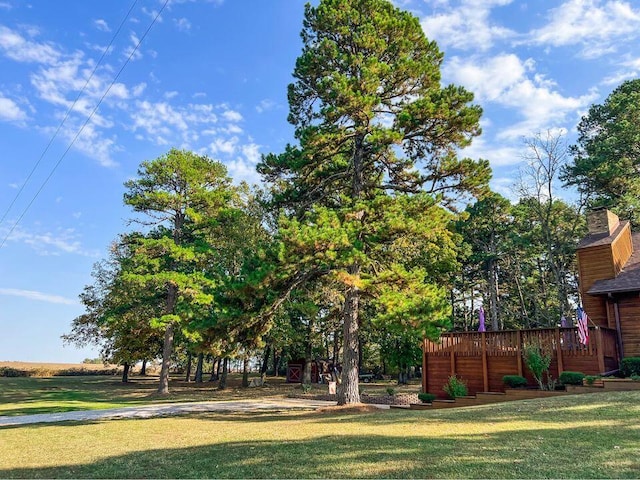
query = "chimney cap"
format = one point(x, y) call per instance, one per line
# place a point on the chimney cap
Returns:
point(602, 221)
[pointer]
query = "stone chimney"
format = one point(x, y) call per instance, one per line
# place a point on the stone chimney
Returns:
point(600, 220)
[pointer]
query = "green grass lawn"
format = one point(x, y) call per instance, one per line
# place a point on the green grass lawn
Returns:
point(582, 436)
point(31, 395)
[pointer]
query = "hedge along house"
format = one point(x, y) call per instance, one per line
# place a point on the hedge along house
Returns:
point(609, 277)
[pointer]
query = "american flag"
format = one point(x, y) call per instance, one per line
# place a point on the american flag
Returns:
point(583, 326)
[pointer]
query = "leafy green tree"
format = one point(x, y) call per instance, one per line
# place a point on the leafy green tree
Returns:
point(606, 159)
point(182, 193)
point(485, 228)
point(117, 317)
point(376, 160)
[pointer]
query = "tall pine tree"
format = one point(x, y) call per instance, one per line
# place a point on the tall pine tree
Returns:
point(363, 191)
point(181, 193)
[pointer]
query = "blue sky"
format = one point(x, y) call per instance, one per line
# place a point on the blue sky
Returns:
point(211, 76)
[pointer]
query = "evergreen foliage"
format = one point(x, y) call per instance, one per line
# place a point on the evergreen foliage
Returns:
point(362, 193)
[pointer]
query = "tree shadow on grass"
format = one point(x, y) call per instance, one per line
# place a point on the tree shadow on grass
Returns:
point(525, 453)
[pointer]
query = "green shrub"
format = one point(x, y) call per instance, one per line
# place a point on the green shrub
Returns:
point(590, 379)
point(514, 381)
point(538, 362)
point(426, 397)
point(455, 387)
point(79, 372)
point(13, 372)
point(391, 391)
point(630, 366)
point(635, 378)
point(571, 378)
point(306, 388)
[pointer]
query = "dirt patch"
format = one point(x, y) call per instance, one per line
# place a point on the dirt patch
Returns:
point(357, 408)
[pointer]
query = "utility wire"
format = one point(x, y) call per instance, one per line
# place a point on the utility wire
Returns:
point(135, 49)
point(104, 54)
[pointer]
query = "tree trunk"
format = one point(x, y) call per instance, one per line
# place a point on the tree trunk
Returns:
point(167, 348)
point(163, 388)
point(308, 352)
point(493, 294)
point(214, 369)
point(223, 378)
point(265, 360)
point(143, 369)
point(125, 372)
point(278, 362)
point(348, 390)
point(245, 371)
point(187, 377)
point(199, 367)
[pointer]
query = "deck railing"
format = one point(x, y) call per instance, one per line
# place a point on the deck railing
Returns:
point(601, 351)
point(511, 342)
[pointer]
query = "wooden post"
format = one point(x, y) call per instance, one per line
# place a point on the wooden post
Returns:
point(485, 372)
point(616, 311)
point(519, 353)
point(424, 365)
point(453, 356)
point(559, 353)
point(600, 349)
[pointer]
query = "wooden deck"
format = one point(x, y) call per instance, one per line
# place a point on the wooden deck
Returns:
point(482, 359)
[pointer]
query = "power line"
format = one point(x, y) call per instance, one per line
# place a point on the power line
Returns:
point(104, 54)
point(55, 167)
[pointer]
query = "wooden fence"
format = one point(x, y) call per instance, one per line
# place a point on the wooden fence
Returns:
point(482, 359)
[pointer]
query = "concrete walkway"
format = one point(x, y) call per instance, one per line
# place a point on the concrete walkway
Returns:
point(157, 410)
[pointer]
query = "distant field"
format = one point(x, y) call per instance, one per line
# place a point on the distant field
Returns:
point(54, 366)
point(581, 436)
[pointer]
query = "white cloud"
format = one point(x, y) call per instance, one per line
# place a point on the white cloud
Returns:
point(133, 50)
point(224, 146)
point(10, 111)
point(93, 144)
point(619, 77)
point(265, 105)
point(251, 152)
point(5, 5)
point(512, 83)
point(139, 89)
point(466, 26)
point(240, 170)
point(16, 47)
point(39, 296)
point(170, 95)
point(595, 24)
point(101, 25)
point(51, 243)
point(168, 124)
point(182, 24)
point(232, 116)
point(498, 154)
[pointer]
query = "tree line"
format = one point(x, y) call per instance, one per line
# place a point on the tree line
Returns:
point(370, 231)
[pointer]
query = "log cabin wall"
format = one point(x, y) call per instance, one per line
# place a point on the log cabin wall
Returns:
point(629, 311)
point(602, 255)
point(595, 263)
point(621, 249)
